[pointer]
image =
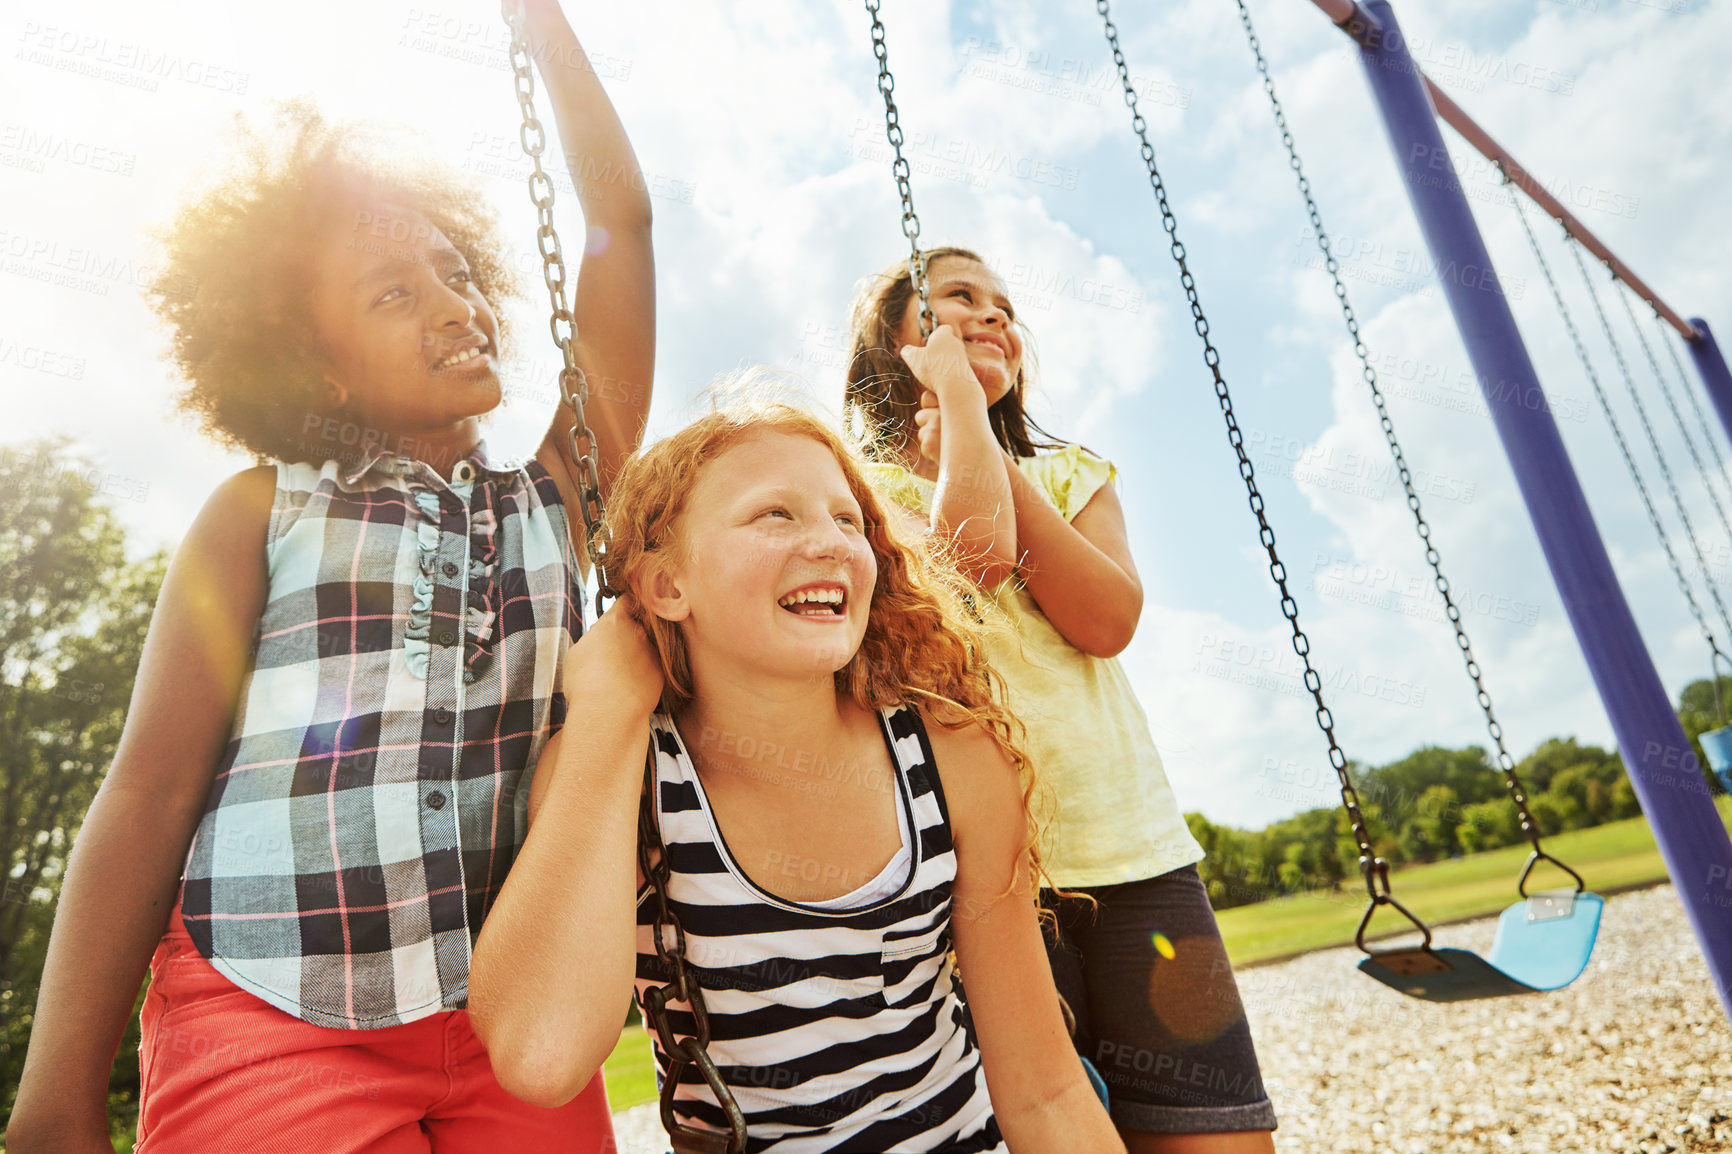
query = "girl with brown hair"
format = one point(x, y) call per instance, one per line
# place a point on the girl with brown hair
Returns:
point(1036, 524)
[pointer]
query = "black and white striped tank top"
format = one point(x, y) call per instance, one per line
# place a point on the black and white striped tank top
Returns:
point(836, 1030)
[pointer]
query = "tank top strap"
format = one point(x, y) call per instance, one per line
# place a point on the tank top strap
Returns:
point(680, 811)
point(905, 733)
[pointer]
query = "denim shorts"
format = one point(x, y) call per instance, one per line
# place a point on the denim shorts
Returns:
point(1157, 1010)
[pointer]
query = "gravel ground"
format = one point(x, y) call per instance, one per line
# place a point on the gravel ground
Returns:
point(639, 1130)
point(1634, 1058)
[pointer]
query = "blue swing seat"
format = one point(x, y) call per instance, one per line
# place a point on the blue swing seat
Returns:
point(1543, 943)
point(1717, 744)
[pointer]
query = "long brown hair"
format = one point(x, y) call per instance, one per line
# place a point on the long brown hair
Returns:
point(921, 644)
point(882, 390)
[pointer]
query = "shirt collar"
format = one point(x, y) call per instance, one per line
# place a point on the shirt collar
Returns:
point(377, 457)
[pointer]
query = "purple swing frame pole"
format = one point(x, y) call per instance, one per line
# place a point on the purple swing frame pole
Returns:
point(1715, 377)
point(1664, 771)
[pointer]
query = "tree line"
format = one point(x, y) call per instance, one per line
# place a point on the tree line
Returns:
point(73, 612)
point(1433, 804)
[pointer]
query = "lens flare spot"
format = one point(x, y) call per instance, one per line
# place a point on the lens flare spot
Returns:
point(1163, 946)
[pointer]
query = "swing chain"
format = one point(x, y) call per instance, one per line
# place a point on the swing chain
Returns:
point(1716, 657)
point(899, 167)
point(1378, 877)
point(1505, 762)
point(581, 443)
point(1648, 430)
point(1370, 865)
point(1719, 693)
point(1623, 295)
point(1664, 337)
point(681, 986)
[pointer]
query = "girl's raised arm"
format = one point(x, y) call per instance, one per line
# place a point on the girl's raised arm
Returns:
point(124, 868)
point(1040, 1095)
point(614, 303)
point(971, 499)
point(1080, 572)
point(553, 966)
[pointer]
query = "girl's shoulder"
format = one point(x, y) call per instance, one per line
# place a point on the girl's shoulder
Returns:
point(241, 505)
point(983, 786)
point(225, 545)
point(960, 742)
point(1069, 476)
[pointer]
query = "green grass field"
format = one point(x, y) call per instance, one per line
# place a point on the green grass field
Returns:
point(630, 1071)
point(1609, 857)
point(1613, 856)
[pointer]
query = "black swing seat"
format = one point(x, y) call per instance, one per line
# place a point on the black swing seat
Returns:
point(1543, 943)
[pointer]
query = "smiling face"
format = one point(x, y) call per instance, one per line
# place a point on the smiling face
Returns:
point(969, 297)
point(774, 575)
point(408, 343)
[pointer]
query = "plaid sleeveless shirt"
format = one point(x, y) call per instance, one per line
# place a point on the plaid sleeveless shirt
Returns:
point(375, 789)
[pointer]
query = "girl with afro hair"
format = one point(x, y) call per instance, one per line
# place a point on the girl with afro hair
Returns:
point(355, 664)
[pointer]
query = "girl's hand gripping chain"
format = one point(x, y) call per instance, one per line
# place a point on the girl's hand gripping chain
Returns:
point(972, 500)
point(929, 425)
point(941, 365)
point(615, 660)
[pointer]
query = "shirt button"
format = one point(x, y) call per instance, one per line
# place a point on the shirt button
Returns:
point(442, 717)
point(435, 800)
point(446, 637)
point(451, 569)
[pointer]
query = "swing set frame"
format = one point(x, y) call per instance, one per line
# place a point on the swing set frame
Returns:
point(1661, 765)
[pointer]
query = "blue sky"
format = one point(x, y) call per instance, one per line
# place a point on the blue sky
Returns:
point(761, 132)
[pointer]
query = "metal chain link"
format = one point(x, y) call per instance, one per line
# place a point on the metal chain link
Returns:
point(1648, 431)
point(1623, 294)
point(1664, 336)
point(681, 986)
point(652, 854)
point(899, 167)
point(580, 440)
point(1617, 430)
point(1505, 762)
point(1375, 869)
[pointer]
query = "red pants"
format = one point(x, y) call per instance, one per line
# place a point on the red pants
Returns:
point(224, 1071)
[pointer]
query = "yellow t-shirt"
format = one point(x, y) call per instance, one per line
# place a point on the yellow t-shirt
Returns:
point(1116, 819)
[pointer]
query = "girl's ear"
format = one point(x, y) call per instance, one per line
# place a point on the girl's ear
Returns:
point(336, 396)
point(660, 594)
